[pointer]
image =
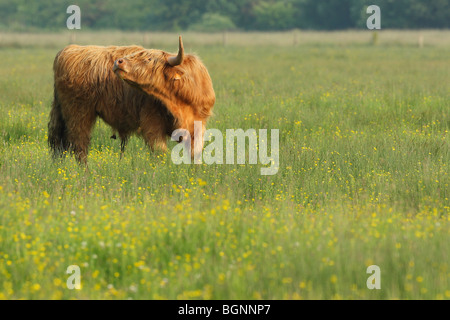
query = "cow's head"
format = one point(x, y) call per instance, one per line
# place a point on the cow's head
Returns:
point(145, 67)
point(180, 79)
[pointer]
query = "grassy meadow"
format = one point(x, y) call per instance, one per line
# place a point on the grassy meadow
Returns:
point(363, 179)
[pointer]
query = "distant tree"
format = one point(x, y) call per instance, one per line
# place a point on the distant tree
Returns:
point(213, 22)
point(218, 14)
point(402, 14)
point(328, 15)
point(273, 15)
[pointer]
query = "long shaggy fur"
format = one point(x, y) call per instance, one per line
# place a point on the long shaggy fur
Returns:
point(185, 90)
point(85, 87)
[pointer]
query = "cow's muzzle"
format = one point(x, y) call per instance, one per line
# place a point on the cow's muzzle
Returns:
point(120, 64)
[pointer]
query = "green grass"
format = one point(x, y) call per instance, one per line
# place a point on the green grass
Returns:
point(363, 180)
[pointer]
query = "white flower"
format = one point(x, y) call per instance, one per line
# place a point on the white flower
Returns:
point(133, 288)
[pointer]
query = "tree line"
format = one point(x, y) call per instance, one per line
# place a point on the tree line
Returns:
point(221, 15)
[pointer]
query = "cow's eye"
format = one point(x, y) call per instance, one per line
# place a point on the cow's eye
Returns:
point(149, 59)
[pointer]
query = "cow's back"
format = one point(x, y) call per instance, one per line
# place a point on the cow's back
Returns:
point(88, 69)
point(84, 78)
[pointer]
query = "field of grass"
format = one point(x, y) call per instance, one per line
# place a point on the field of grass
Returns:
point(363, 180)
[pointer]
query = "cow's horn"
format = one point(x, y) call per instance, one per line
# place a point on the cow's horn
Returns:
point(175, 61)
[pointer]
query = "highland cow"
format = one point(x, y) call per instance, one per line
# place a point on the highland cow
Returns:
point(134, 90)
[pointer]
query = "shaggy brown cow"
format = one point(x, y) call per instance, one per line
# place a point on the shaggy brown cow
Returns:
point(167, 92)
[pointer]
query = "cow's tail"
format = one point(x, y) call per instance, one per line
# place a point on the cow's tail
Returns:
point(57, 133)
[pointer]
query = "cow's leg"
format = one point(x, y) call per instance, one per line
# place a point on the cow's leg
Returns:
point(153, 128)
point(122, 148)
point(155, 139)
point(160, 142)
point(79, 129)
point(123, 143)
